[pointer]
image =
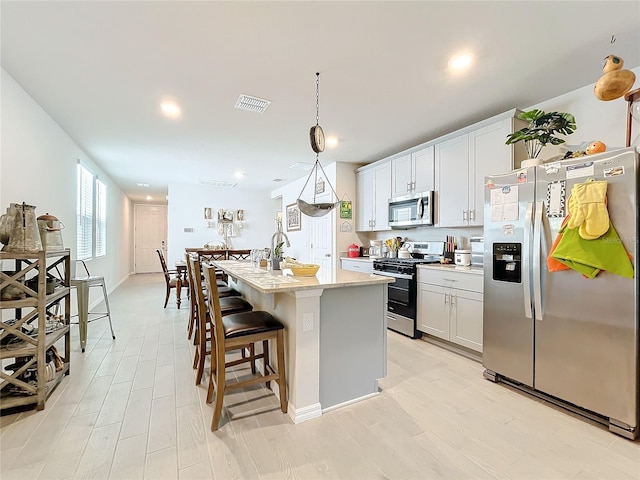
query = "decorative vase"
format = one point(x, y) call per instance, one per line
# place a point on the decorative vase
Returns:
point(275, 263)
point(531, 162)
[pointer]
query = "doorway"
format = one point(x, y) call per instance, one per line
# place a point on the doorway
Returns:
point(322, 241)
point(150, 233)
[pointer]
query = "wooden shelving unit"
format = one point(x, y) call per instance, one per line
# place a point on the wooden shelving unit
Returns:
point(26, 308)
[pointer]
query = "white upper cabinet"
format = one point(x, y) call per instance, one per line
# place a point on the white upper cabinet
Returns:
point(461, 165)
point(423, 170)
point(452, 180)
point(382, 184)
point(373, 193)
point(488, 155)
point(412, 173)
point(401, 175)
point(364, 200)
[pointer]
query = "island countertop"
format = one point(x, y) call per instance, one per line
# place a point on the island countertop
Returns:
point(276, 281)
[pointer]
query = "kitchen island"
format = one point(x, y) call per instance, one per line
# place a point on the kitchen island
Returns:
point(335, 331)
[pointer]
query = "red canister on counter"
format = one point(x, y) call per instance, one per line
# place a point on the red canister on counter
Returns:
point(354, 250)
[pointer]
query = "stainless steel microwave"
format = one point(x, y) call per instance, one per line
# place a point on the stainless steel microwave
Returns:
point(411, 210)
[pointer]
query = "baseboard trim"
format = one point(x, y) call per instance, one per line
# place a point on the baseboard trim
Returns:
point(303, 414)
point(350, 402)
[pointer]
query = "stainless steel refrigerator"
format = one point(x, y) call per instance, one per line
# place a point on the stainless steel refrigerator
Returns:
point(571, 338)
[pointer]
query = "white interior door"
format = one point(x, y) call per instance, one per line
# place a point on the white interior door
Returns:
point(150, 234)
point(322, 241)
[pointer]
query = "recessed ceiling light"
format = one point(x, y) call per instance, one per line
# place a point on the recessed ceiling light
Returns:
point(170, 109)
point(460, 62)
point(143, 184)
point(332, 142)
point(149, 197)
point(239, 175)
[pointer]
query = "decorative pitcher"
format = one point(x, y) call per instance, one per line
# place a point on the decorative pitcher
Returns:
point(50, 232)
point(6, 222)
point(24, 236)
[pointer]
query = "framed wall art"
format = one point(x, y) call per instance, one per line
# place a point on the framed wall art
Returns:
point(293, 218)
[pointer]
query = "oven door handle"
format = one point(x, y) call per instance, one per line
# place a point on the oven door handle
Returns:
point(394, 275)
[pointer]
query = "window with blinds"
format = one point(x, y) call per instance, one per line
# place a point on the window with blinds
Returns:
point(101, 219)
point(92, 215)
point(85, 214)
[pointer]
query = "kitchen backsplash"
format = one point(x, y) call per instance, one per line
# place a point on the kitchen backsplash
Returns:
point(429, 234)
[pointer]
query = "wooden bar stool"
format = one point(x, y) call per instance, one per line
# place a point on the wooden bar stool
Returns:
point(228, 305)
point(193, 316)
point(231, 332)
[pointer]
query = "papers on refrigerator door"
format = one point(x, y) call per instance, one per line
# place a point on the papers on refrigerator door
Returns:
point(556, 194)
point(504, 204)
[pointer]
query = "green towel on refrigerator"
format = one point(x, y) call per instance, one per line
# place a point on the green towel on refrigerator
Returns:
point(589, 257)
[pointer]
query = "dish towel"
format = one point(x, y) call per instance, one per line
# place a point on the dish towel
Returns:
point(588, 209)
point(589, 257)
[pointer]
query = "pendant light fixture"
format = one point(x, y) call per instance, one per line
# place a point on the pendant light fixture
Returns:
point(316, 136)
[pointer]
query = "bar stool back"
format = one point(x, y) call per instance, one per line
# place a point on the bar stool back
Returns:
point(82, 285)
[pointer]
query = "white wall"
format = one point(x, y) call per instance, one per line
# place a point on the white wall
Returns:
point(595, 119)
point(38, 166)
point(186, 204)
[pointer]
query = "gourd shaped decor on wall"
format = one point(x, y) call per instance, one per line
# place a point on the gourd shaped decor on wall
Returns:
point(615, 82)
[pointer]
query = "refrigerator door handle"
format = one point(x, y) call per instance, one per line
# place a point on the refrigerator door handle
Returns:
point(537, 261)
point(525, 260)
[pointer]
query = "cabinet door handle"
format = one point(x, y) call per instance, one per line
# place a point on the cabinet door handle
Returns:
point(464, 215)
point(446, 298)
point(451, 301)
point(472, 214)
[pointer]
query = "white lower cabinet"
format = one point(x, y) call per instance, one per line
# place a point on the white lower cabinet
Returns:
point(362, 266)
point(450, 306)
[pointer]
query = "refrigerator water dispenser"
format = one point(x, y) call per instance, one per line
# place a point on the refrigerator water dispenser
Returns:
point(507, 259)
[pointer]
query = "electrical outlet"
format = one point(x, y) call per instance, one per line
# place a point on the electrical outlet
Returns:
point(307, 322)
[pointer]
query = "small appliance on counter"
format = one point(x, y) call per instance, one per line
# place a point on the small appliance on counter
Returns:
point(375, 248)
point(364, 251)
point(354, 251)
point(462, 258)
point(477, 251)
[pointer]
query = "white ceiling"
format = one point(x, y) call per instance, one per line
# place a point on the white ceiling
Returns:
point(100, 69)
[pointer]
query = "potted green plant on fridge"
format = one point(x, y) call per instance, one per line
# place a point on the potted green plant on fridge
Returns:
point(541, 131)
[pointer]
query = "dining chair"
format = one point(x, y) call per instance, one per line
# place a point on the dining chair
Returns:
point(239, 254)
point(82, 284)
point(193, 316)
point(203, 333)
point(230, 332)
point(175, 281)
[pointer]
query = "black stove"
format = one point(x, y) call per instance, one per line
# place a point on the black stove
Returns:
point(402, 293)
point(406, 266)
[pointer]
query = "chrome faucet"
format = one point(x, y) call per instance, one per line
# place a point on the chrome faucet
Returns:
point(279, 234)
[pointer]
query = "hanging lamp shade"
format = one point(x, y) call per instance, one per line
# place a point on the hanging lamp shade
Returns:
point(317, 209)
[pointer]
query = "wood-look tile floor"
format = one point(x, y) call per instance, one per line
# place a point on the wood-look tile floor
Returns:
point(130, 410)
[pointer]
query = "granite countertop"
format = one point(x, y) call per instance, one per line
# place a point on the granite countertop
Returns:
point(453, 268)
point(275, 281)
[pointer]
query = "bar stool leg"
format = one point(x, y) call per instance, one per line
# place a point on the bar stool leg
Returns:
point(83, 312)
point(106, 302)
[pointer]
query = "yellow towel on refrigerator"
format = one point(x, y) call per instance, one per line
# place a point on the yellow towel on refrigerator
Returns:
point(589, 257)
point(588, 209)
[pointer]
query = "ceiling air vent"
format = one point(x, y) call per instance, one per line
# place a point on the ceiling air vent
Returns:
point(217, 183)
point(252, 104)
point(302, 166)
